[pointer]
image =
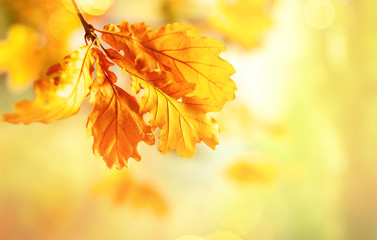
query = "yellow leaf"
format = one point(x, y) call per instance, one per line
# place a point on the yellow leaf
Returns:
point(183, 122)
point(243, 21)
point(20, 57)
point(245, 171)
point(60, 95)
point(181, 75)
point(191, 60)
point(115, 123)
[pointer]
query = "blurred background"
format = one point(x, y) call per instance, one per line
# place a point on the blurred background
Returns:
point(298, 147)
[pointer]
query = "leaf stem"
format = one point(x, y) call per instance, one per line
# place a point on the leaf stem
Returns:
point(89, 29)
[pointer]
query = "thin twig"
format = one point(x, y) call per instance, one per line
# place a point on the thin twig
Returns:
point(89, 29)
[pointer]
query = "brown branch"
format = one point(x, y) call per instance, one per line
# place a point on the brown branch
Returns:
point(89, 29)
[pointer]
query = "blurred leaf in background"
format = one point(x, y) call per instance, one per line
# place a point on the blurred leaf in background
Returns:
point(123, 188)
point(242, 21)
point(36, 37)
point(21, 56)
point(38, 34)
point(251, 170)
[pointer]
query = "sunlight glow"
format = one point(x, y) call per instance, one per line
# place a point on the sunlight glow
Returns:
point(95, 7)
point(319, 14)
point(190, 238)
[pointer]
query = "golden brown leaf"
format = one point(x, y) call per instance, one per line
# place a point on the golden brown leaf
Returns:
point(157, 77)
point(181, 75)
point(173, 48)
point(115, 123)
point(183, 123)
point(60, 95)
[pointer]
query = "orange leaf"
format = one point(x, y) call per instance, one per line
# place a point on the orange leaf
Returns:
point(59, 96)
point(115, 123)
point(190, 59)
point(156, 77)
point(124, 188)
point(183, 123)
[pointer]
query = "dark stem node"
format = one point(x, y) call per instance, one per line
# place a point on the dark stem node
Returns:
point(89, 29)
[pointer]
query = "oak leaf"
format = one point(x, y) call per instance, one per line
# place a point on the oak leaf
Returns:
point(183, 123)
point(174, 48)
point(115, 123)
point(181, 75)
point(59, 96)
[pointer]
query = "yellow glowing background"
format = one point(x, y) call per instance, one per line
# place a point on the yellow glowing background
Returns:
point(298, 147)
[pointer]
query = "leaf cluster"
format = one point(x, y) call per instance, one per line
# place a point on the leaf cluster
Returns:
point(179, 74)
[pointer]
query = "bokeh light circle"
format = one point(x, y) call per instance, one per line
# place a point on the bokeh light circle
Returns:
point(91, 7)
